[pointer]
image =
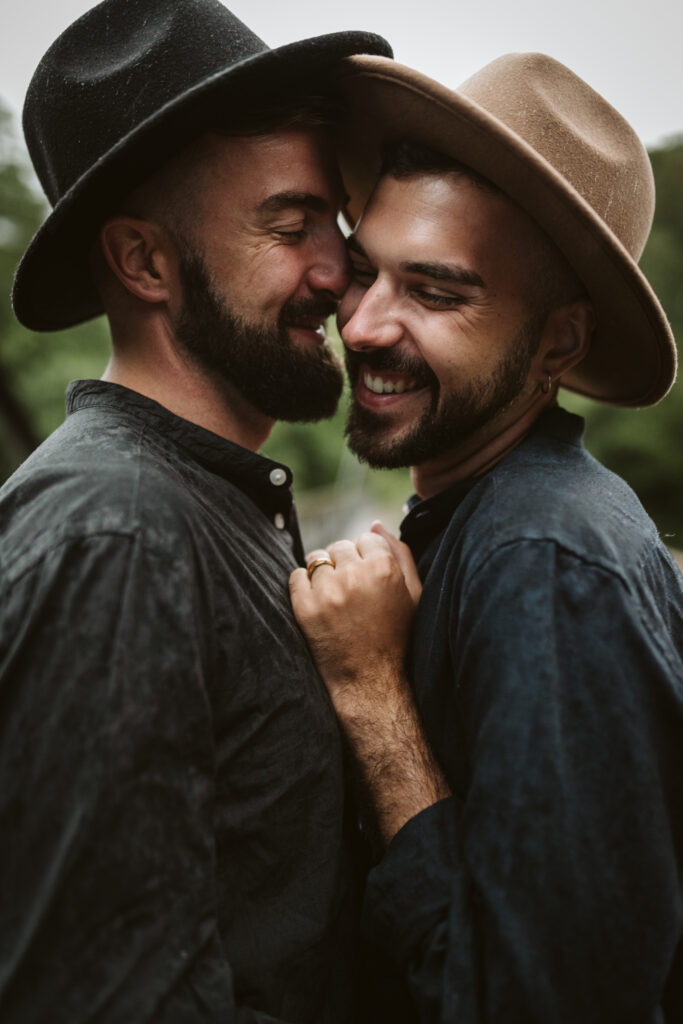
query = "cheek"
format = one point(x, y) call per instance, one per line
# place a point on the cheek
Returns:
point(269, 279)
point(269, 262)
point(440, 345)
point(454, 344)
point(284, 269)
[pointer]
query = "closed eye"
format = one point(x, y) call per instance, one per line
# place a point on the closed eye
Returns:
point(438, 301)
point(292, 236)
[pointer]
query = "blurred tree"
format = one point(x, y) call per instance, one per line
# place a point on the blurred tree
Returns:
point(20, 214)
point(34, 368)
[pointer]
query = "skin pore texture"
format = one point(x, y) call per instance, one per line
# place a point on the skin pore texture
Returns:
point(218, 277)
point(452, 324)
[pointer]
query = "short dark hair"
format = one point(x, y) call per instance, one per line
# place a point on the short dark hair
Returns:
point(405, 159)
point(294, 108)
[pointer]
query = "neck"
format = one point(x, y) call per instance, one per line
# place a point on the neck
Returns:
point(483, 450)
point(155, 366)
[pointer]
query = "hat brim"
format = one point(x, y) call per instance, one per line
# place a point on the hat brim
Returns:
point(52, 286)
point(632, 360)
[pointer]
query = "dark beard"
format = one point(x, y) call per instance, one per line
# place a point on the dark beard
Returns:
point(444, 425)
point(261, 362)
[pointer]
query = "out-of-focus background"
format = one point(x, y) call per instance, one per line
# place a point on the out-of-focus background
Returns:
point(628, 52)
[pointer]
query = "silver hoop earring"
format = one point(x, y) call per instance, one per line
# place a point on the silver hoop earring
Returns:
point(547, 384)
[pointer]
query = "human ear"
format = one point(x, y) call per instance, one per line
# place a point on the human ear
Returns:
point(566, 337)
point(137, 253)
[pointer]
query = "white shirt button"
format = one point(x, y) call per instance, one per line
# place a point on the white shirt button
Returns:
point(278, 477)
point(279, 520)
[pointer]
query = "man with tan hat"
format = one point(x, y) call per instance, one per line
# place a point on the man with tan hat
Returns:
point(524, 773)
point(174, 842)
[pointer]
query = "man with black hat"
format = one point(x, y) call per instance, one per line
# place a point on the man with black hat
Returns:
point(527, 782)
point(174, 841)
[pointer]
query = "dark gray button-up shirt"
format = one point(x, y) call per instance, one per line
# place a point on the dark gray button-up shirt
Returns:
point(548, 667)
point(171, 806)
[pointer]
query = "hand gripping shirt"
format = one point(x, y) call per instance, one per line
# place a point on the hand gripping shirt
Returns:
point(173, 838)
point(548, 667)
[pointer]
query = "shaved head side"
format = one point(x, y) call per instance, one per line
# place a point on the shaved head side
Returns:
point(170, 198)
point(551, 281)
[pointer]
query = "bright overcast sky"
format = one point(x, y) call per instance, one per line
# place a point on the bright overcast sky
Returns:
point(629, 50)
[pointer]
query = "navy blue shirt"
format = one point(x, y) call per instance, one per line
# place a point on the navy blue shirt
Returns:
point(548, 668)
point(171, 781)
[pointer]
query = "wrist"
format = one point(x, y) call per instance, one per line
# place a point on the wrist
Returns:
point(375, 713)
point(398, 773)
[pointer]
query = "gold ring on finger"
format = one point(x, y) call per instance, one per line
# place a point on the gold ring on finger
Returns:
point(317, 562)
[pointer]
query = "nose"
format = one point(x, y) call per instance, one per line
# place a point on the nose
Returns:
point(368, 319)
point(330, 271)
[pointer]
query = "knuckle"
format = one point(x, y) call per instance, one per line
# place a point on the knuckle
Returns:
point(384, 563)
point(340, 547)
point(316, 553)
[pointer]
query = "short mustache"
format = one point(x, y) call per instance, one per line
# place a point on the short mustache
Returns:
point(306, 312)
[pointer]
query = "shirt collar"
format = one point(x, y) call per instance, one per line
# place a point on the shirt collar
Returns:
point(427, 518)
point(267, 482)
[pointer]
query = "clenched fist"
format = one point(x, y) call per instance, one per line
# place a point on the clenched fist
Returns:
point(356, 614)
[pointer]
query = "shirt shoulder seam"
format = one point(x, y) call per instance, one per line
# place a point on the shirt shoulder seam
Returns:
point(77, 536)
point(588, 561)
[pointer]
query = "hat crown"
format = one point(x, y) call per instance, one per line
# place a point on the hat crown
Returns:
point(577, 132)
point(121, 92)
point(568, 159)
point(117, 66)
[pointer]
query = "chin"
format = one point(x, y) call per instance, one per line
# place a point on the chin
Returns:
point(374, 441)
point(378, 450)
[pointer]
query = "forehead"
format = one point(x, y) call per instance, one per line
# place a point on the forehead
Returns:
point(247, 170)
point(447, 217)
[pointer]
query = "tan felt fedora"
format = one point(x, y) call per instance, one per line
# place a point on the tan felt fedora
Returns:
point(566, 157)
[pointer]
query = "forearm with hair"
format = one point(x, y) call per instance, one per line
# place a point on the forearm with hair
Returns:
point(397, 773)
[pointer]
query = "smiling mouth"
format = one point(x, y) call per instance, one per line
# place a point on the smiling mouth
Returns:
point(380, 385)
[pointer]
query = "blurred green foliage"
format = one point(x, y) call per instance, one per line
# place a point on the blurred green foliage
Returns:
point(642, 445)
point(35, 368)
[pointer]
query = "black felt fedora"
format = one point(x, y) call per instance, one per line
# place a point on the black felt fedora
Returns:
point(121, 90)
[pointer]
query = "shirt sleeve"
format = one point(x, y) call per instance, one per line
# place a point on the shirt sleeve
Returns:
point(549, 891)
point(106, 796)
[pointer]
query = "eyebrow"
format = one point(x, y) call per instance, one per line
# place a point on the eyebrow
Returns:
point(437, 271)
point(285, 200)
point(445, 272)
